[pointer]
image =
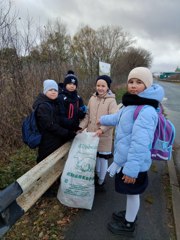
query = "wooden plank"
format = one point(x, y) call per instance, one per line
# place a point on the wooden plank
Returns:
point(30, 178)
point(26, 200)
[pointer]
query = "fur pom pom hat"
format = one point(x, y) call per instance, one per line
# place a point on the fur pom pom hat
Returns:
point(143, 74)
point(49, 84)
point(70, 78)
point(106, 78)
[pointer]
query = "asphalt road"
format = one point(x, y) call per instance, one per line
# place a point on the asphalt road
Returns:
point(172, 108)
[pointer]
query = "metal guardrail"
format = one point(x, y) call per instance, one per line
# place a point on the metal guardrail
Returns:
point(21, 195)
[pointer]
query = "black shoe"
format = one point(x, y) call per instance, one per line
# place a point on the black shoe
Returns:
point(50, 193)
point(96, 178)
point(122, 228)
point(120, 216)
point(100, 187)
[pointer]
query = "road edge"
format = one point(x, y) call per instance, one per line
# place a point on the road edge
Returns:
point(175, 196)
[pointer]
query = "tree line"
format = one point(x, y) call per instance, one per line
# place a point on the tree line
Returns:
point(29, 55)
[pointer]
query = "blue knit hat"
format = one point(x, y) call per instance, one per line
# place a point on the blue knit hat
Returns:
point(49, 84)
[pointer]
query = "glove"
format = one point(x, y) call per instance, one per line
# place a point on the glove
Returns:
point(71, 135)
point(84, 108)
point(113, 169)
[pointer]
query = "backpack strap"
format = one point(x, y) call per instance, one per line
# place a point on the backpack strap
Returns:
point(71, 111)
point(137, 110)
point(159, 110)
point(49, 107)
point(77, 103)
point(43, 103)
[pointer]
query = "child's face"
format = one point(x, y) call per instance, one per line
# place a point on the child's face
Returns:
point(52, 94)
point(135, 86)
point(101, 87)
point(71, 87)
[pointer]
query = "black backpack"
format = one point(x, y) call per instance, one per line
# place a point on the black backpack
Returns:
point(30, 133)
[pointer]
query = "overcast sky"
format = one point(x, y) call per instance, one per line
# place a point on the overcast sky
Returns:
point(155, 24)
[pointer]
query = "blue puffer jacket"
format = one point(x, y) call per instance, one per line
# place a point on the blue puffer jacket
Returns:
point(133, 139)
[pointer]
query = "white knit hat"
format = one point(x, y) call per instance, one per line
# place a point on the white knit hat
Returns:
point(143, 74)
point(49, 84)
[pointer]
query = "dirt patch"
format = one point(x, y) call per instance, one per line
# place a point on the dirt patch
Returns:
point(46, 220)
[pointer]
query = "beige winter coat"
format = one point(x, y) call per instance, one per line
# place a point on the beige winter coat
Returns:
point(97, 107)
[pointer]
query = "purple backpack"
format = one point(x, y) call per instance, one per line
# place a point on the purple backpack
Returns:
point(164, 136)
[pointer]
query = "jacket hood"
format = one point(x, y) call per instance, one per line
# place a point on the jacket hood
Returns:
point(109, 94)
point(154, 92)
point(41, 98)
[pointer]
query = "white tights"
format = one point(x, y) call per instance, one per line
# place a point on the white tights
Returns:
point(101, 169)
point(132, 207)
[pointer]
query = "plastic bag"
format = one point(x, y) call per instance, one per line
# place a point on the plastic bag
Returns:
point(77, 181)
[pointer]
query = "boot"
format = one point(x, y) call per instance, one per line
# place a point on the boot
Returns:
point(96, 178)
point(119, 216)
point(100, 187)
point(122, 228)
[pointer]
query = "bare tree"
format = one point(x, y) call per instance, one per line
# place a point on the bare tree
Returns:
point(129, 59)
point(112, 41)
point(136, 57)
point(5, 8)
point(106, 44)
point(85, 54)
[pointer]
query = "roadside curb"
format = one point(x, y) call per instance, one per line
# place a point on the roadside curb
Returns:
point(175, 196)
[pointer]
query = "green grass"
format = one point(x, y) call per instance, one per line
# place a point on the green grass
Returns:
point(19, 163)
point(119, 93)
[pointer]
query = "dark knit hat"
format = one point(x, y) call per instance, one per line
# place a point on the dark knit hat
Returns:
point(106, 78)
point(70, 78)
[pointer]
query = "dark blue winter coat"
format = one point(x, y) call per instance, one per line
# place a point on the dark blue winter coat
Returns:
point(72, 107)
point(49, 120)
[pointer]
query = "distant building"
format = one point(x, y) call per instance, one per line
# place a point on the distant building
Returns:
point(165, 75)
point(177, 69)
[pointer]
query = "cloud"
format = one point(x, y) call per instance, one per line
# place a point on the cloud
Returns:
point(155, 24)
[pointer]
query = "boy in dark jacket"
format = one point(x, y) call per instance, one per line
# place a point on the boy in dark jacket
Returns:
point(48, 116)
point(71, 104)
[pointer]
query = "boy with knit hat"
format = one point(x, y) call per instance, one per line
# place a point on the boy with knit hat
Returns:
point(48, 117)
point(70, 78)
point(132, 145)
point(70, 103)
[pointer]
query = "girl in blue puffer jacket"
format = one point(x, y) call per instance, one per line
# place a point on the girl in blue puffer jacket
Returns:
point(132, 144)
